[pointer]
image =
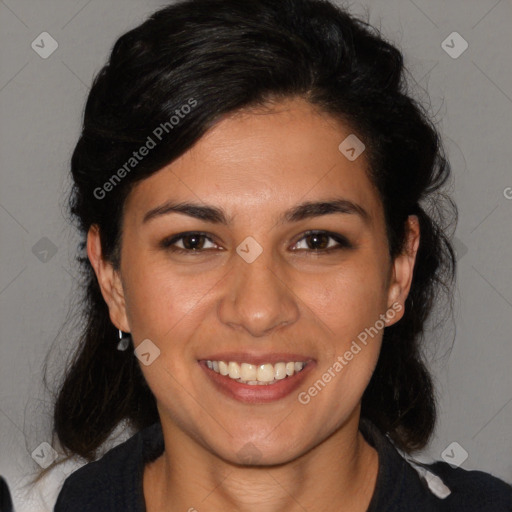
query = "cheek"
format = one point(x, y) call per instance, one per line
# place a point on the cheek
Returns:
point(164, 305)
point(148, 303)
point(347, 300)
point(348, 304)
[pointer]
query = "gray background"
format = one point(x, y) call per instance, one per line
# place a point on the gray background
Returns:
point(41, 102)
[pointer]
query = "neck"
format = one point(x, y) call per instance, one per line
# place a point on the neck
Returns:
point(338, 474)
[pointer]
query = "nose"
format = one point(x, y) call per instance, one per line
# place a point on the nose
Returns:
point(258, 298)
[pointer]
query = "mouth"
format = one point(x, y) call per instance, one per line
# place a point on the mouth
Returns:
point(259, 379)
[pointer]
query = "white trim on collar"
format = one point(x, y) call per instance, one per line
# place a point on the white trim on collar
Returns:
point(435, 484)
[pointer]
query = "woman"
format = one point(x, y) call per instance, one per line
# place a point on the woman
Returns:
point(252, 183)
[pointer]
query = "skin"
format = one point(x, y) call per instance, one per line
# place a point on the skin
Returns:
point(255, 165)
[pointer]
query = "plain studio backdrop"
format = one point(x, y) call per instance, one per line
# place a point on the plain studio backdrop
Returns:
point(458, 53)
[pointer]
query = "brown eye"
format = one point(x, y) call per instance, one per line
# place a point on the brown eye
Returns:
point(190, 242)
point(323, 241)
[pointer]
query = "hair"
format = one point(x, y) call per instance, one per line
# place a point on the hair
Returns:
point(225, 56)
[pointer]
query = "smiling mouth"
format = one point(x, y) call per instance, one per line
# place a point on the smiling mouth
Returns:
point(260, 381)
point(256, 375)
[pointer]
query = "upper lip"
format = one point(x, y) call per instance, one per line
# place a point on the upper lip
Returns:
point(257, 358)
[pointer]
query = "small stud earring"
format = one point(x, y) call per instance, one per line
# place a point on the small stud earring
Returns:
point(124, 341)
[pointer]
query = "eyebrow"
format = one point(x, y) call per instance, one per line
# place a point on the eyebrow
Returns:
point(299, 212)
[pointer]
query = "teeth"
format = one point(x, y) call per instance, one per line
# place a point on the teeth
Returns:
point(256, 374)
point(280, 369)
point(265, 373)
point(248, 372)
point(223, 367)
point(234, 370)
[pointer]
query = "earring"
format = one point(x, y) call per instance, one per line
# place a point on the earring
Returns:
point(124, 341)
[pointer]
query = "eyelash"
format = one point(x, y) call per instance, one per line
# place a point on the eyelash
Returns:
point(342, 242)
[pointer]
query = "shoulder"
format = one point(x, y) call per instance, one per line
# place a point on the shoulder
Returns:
point(406, 484)
point(471, 491)
point(93, 486)
point(110, 483)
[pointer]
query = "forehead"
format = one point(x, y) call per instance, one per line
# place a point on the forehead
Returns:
point(263, 161)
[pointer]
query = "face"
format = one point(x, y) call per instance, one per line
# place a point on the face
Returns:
point(253, 275)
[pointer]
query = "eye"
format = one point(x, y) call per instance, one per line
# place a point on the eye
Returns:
point(189, 242)
point(323, 241)
point(195, 242)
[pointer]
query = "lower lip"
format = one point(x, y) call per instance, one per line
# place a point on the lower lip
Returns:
point(257, 394)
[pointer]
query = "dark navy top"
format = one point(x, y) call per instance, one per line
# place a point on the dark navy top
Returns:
point(114, 482)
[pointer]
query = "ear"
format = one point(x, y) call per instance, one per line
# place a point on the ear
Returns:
point(402, 271)
point(108, 279)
